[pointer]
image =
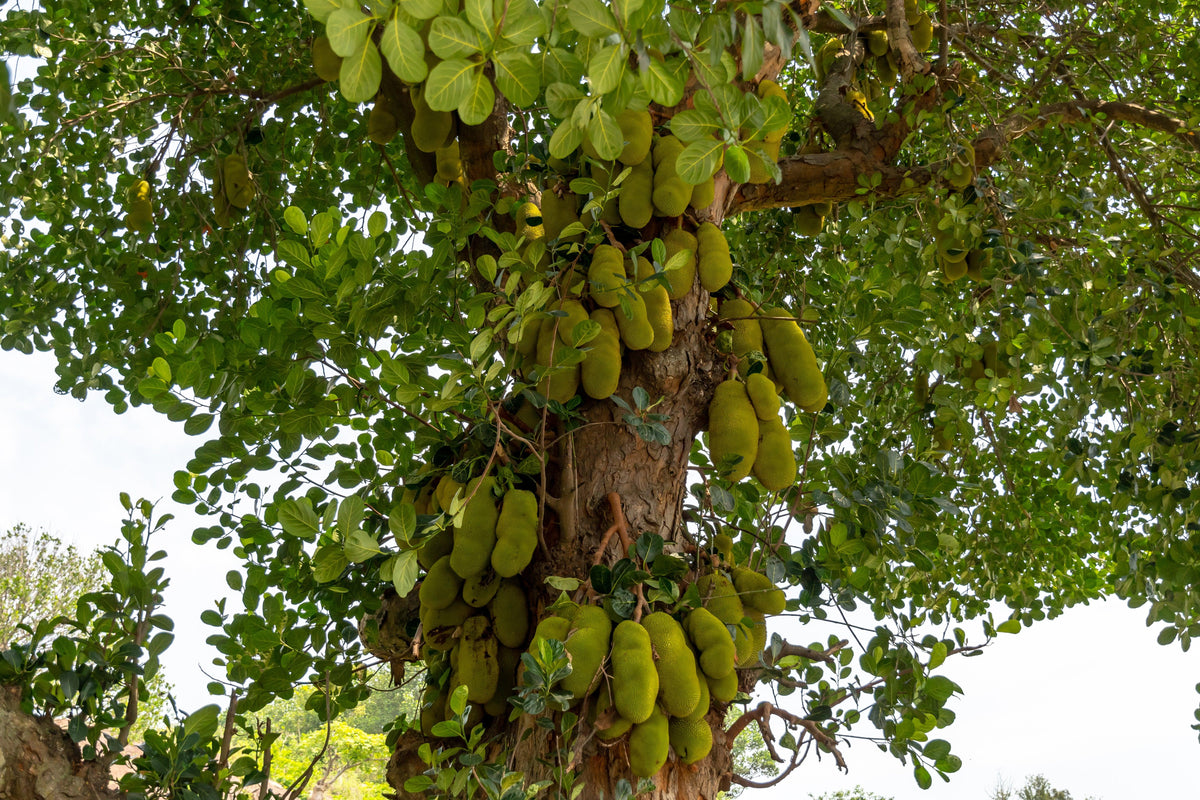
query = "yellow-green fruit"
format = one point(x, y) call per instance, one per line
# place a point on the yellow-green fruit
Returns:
point(750, 640)
point(775, 464)
point(922, 33)
point(575, 314)
point(978, 259)
point(703, 194)
point(559, 211)
point(473, 541)
point(762, 394)
point(478, 665)
point(724, 544)
point(705, 703)
point(441, 585)
point(757, 592)
point(438, 624)
point(877, 43)
point(478, 590)
point(433, 709)
point(808, 220)
point(724, 688)
point(510, 614)
point(600, 372)
point(678, 687)
point(713, 261)
point(443, 495)
point(952, 270)
point(140, 216)
point(720, 598)
point(658, 307)
point(761, 154)
point(732, 430)
point(529, 222)
point(828, 53)
point(449, 162)
point(509, 662)
point(430, 129)
point(606, 276)
point(637, 129)
point(328, 64)
point(649, 744)
point(747, 333)
point(587, 645)
point(710, 636)
point(993, 361)
point(617, 725)
point(516, 533)
point(636, 331)
point(560, 384)
point(793, 360)
point(634, 678)
point(691, 739)
point(239, 186)
point(382, 125)
point(633, 199)
point(554, 627)
point(671, 193)
point(682, 276)
point(885, 70)
point(911, 11)
point(436, 546)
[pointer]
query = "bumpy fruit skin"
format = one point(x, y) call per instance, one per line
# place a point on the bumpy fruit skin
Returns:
point(510, 614)
point(732, 429)
point(382, 124)
point(775, 464)
point(438, 624)
point(559, 211)
point(587, 645)
point(724, 688)
point(636, 331)
point(474, 540)
point(549, 628)
point(478, 667)
point(575, 314)
point(761, 154)
point(658, 307)
point(441, 585)
point(763, 395)
point(682, 277)
point(430, 129)
point(705, 703)
point(678, 688)
point(326, 63)
point(443, 494)
point(618, 725)
point(436, 546)
point(747, 334)
point(713, 260)
point(606, 276)
point(516, 532)
point(750, 640)
point(561, 384)
point(509, 661)
point(637, 129)
point(671, 193)
point(140, 216)
point(691, 739)
point(922, 33)
point(712, 639)
point(449, 163)
point(720, 598)
point(757, 592)
point(600, 372)
point(239, 186)
point(793, 360)
point(808, 220)
point(633, 200)
point(703, 194)
point(634, 678)
point(649, 745)
point(478, 590)
point(529, 222)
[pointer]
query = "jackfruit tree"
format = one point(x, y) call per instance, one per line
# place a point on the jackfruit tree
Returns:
point(587, 362)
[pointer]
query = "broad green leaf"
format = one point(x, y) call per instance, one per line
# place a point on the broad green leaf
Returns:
point(591, 18)
point(202, 722)
point(422, 9)
point(360, 546)
point(298, 518)
point(517, 76)
point(523, 24)
point(449, 84)
point(198, 424)
point(936, 749)
point(321, 9)
point(692, 124)
point(405, 570)
point(350, 515)
point(662, 81)
point(752, 47)
point(937, 655)
point(626, 9)
point(348, 29)
point(480, 100)
point(452, 37)
point(329, 562)
point(699, 161)
point(361, 74)
point(1009, 626)
point(376, 223)
point(402, 521)
point(404, 51)
point(479, 14)
point(605, 69)
point(559, 65)
point(605, 135)
point(562, 98)
point(924, 779)
point(295, 220)
point(294, 253)
point(737, 165)
point(566, 139)
point(161, 369)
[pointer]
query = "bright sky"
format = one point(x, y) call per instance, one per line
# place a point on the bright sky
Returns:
point(1089, 700)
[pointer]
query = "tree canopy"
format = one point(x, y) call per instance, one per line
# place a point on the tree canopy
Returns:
point(627, 314)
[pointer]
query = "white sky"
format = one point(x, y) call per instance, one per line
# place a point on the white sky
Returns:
point(1089, 700)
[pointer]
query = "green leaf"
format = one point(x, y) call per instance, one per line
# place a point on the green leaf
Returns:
point(295, 220)
point(197, 424)
point(661, 82)
point(924, 779)
point(699, 161)
point(591, 18)
point(1009, 626)
point(480, 100)
point(936, 749)
point(458, 700)
point(605, 135)
point(517, 77)
point(360, 546)
point(298, 518)
point(523, 24)
point(350, 514)
point(202, 722)
point(752, 47)
point(479, 13)
point(161, 369)
point(402, 521)
point(405, 570)
point(737, 164)
point(605, 70)
point(422, 9)
point(361, 73)
point(449, 84)
point(404, 51)
point(566, 139)
point(348, 29)
point(940, 688)
point(937, 655)
point(321, 9)
point(296, 254)
point(328, 563)
point(691, 125)
point(452, 37)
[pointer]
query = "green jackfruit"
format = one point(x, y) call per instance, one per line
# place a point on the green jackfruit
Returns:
point(922, 33)
point(436, 546)
point(724, 688)
point(757, 592)
point(671, 193)
point(658, 307)
point(978, 259)
point(562, 382)
point(606, 276)
point(529, 222)
point(723, 542)
point(430, 129)
point(713, 261)
point(877, 43)
point(649, 744)
point(761, 154)
point(636, 331)
point(600, 372)
point(732, 429)
point(637, 129)
point(510, 614)
point(382, 124)
point(615, 726)
point(441, 585)
point(587, 645)
point(634, 678)
point(438, 624)
point(509, 662)
point(140, 216)
point(711, 637)
point(449, 163)
point(750, 639)
point(575, 314)
point(682, 276)
point(775, 463)
point(720, 598)
point(516, 532)
point(328, 64)
point(808, 220)
point(762, 394)
point(559, 211)
point(678, 688)
point(793, 360)
point(474, 540)
point(691, 739)
point(703, 194)
point(705, 703)
point(239, 185)
point(443, 495)
point(553, 627)
point(478, 665)
point(635, 193)
point(478, 590)
point(433, 708)
point(747, 334)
